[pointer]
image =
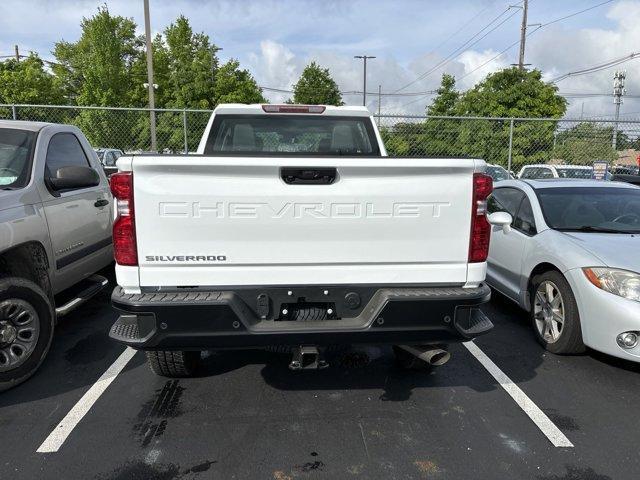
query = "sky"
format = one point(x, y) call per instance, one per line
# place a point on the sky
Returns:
point(275, 39)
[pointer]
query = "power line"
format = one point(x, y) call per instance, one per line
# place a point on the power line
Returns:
point(538, 27)
point(576, 13)
point(458, 51)
point(597, 68)
point(354, 92)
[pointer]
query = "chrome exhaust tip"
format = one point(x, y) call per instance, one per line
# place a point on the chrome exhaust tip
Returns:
point(428, 353)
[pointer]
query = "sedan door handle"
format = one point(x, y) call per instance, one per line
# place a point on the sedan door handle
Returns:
point(101, 202)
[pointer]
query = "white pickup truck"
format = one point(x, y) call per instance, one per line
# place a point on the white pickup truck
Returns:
point(292, 227)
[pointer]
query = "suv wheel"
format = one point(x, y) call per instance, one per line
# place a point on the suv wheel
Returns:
point(26, 329)
point(554, 314)
point(173, 364)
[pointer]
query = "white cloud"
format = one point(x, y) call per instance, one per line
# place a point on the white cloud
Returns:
point(275, 39)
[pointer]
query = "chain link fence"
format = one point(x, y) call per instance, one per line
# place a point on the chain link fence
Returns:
point(547, 147)
point(511, 143)
point(128, 129)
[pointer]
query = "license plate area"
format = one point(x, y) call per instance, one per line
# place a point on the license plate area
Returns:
point(303, 311)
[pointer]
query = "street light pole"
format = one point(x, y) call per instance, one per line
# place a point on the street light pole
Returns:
point(152, 100)
point(364, 80)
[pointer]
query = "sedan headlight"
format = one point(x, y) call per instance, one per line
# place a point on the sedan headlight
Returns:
point(619, 282)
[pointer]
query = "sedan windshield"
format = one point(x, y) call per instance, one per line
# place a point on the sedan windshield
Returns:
point(16, 148)
point(591, 209)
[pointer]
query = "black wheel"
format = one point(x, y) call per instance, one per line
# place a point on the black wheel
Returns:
point(554, 314)
point(408, 361)
point(26, 329)
point(173, 364)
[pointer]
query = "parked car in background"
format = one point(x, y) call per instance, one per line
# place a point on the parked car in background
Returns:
point(305, 242)
point(108, 157)
point(497, 173)
point(571, 260)
point(55, 234)
point(541, 171)
point(625, 170)
point(633, 179)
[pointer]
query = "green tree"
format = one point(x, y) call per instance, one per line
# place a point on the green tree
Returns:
point(433, 137)
point(585, 143)
point(446, 99)
point(96, 70)
point(316, 87)
point(441, 135)
point(510, 93)
point(236, 85)
point(189, 76)
point(27, 81)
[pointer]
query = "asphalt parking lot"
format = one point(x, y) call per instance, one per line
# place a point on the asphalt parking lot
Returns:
point(248, 416)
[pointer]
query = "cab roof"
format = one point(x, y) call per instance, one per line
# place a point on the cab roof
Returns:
point(24, 125)
point(257, 109)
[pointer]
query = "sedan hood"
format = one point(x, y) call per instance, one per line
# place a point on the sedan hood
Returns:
point(616, 250)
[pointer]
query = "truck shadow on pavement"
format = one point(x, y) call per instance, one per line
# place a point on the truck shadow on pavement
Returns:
point(359, 368)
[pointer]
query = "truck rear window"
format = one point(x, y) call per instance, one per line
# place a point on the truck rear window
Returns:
point(274, 134)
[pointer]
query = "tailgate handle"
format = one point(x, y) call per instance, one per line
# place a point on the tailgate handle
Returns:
point(308, 176)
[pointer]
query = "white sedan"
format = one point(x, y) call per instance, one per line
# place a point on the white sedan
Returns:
point(571, 259)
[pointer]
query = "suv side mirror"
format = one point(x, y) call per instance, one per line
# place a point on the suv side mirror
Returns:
point(74, 177)
point(501, 219)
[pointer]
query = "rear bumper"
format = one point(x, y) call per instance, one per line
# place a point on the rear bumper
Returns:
point(229, 319)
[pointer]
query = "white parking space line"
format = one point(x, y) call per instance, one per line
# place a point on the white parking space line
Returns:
point(553, 433)
point(59, 434)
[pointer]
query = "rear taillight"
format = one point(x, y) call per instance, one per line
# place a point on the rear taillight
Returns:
point(480, 228)
point(125, 249)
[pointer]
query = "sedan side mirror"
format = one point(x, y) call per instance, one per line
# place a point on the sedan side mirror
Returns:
point(74, 177)
point(501, 219)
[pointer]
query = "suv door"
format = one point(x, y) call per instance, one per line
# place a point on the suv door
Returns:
point(79, 219)
point(505, 250)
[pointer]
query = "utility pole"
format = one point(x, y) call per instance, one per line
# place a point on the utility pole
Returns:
point(379, 102)
point(17, 53)
point(523, 34)
point(618, 91)
point(151, 86)
point(364, 81)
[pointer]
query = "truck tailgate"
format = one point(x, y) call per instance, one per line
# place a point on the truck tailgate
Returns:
point(223, 221)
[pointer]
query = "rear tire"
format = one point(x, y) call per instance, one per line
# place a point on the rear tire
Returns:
point(27, 322)
point(560, 338)
point(173, 364)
